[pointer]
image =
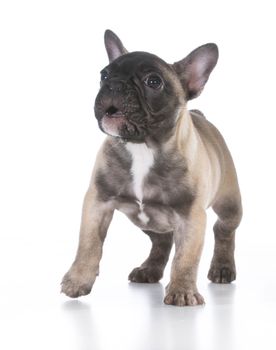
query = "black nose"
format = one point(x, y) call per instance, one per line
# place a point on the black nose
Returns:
point(115, 85)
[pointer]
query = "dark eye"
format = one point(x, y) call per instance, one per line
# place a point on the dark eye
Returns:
point(104, 75)
point(154, 81)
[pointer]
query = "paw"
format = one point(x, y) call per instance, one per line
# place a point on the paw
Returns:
point(145, 275)
point(74, 286)
point(183, 297)
point(219, 273)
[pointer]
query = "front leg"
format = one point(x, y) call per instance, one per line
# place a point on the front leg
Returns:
point(189, 237)
point(96, 217)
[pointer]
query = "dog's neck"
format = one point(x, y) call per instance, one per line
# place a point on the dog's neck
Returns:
point(185, 133)
point(184, 139)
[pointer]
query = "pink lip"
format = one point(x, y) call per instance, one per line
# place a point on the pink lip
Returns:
point(112, 124)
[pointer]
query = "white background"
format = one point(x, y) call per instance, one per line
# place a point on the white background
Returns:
point(50, 58)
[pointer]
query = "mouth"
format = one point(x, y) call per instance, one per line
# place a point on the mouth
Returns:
point(113, 121)
point(113, 112)
point(116, 122)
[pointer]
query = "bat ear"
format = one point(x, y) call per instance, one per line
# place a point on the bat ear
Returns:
point(194, 70)
point(113, 45)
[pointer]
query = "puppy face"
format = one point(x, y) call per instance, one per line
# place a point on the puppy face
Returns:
point(141, 95)
point(138, 97)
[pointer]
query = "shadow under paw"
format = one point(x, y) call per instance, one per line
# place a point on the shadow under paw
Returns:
point(145, 275)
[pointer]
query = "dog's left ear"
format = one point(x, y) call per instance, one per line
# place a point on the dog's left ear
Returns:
point(194, 70)
point(113, 45)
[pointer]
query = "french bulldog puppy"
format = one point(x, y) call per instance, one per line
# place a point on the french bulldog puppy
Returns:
point(163, 166)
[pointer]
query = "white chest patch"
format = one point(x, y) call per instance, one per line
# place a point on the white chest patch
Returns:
point(142, 161)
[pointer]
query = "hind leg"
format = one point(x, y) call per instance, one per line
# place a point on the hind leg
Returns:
point(229, 211)
point(151, 271)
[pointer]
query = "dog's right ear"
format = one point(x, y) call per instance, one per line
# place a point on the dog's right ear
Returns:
point(113, 45)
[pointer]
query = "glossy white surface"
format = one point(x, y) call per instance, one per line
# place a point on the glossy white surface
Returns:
point(120, 315)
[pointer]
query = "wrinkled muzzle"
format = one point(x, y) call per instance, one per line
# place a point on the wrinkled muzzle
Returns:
point(119, 111)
